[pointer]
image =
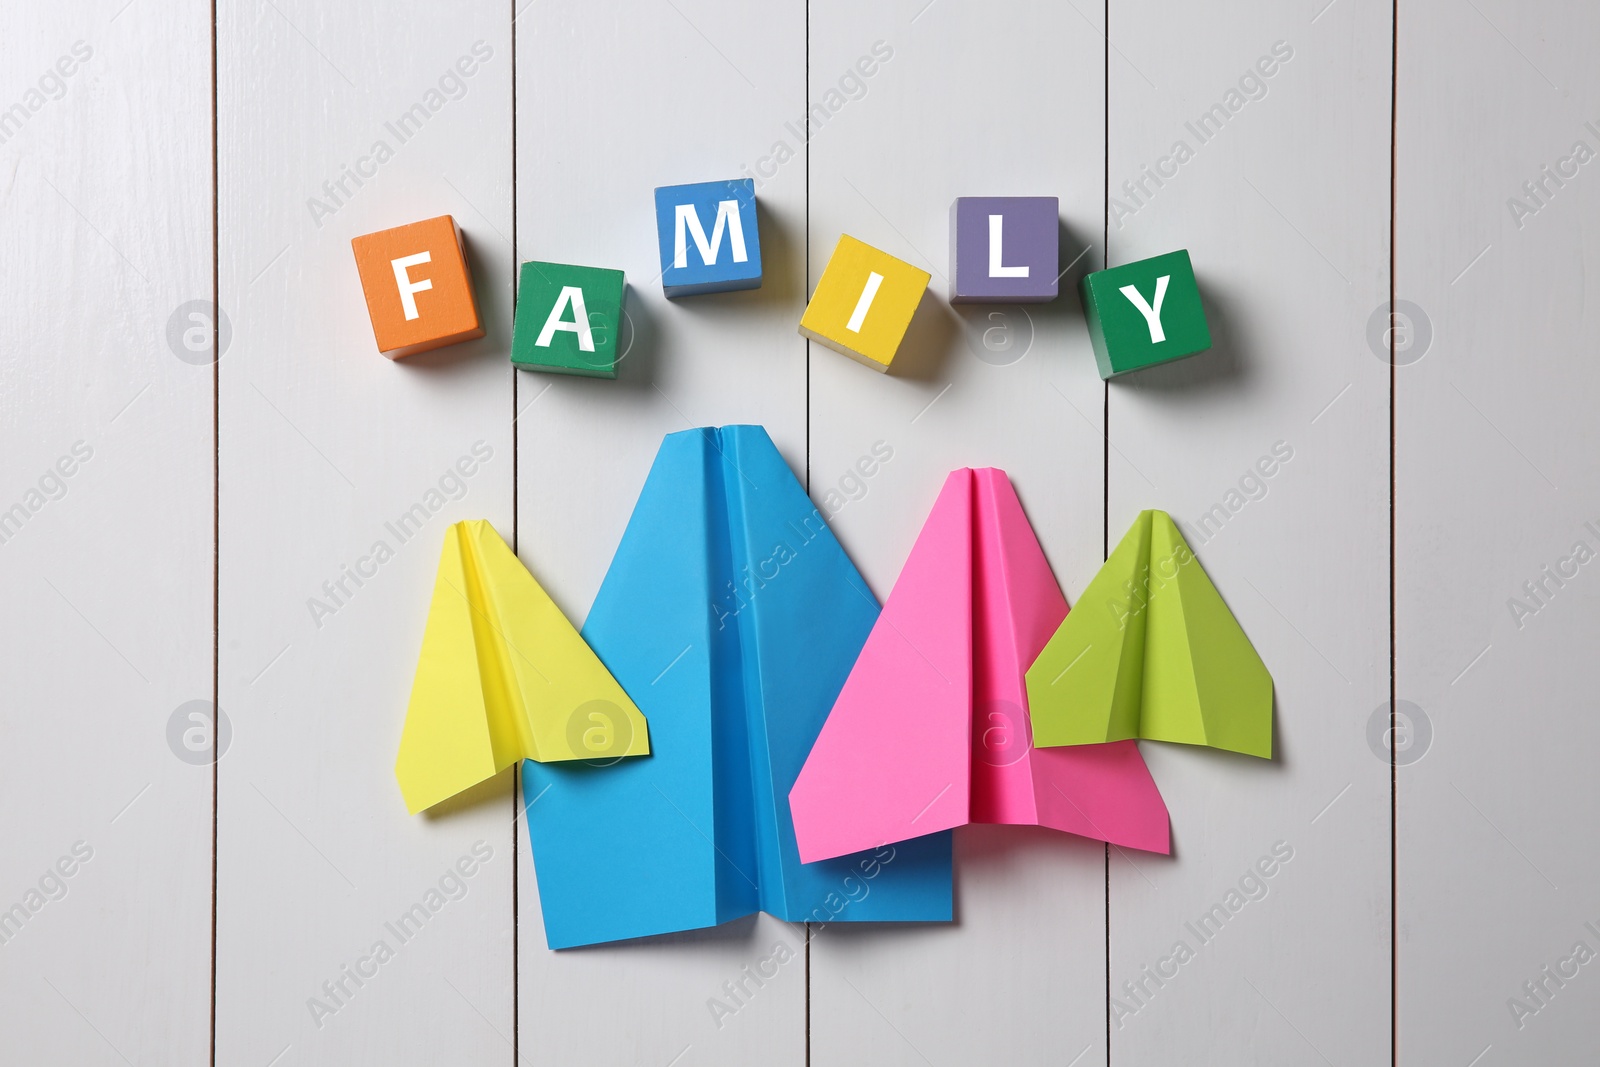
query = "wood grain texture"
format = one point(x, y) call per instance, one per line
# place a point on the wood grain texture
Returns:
point(694, 91)
point(105, 571)
point(1285, 212)
point(325, 446)
point(1496, 880)
point(321, 447)
point(1020, 977)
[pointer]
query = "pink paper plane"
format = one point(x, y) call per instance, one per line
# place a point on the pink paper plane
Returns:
point(931, 728)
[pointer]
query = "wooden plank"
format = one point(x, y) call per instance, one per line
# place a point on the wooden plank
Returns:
point(982, 386)
point(711, 86)
point(105, 535)
point(326, 449)
point(1283, 202)
point(1494, 489)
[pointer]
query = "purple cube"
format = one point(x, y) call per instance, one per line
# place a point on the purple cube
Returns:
point(1004, 249)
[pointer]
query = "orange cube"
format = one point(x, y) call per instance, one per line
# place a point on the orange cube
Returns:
point(418, 289)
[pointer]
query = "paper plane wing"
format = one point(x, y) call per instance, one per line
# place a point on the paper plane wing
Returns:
point(647, 846)
point(502, 676)
point(892, 762)
point(1086, 686)
point(448, 744)
point(570, 705)
point(805, 613)
point(1204, 683)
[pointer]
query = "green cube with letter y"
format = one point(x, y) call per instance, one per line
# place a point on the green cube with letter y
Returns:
point(1144, 313)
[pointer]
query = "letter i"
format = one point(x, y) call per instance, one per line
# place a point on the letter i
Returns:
point(864, 303)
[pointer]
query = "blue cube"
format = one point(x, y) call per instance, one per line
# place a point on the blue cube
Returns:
point(709, 239)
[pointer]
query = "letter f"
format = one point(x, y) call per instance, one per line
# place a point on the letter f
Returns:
point(409, 288)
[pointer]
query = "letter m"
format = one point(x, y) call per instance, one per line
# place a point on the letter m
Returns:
point(688, 224)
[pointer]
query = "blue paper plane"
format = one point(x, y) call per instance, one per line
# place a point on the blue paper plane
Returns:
point(731, 616)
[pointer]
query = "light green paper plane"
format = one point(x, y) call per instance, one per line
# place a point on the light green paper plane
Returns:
point(1151, 651)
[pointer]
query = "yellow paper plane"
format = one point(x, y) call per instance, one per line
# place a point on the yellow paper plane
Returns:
point(503, 676)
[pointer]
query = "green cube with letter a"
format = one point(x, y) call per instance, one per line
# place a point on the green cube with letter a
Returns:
point(568, 320)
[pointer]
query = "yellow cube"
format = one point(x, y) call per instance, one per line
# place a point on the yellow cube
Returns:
point(863, 303)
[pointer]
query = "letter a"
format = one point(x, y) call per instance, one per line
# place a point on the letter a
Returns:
point(570, 295)
point(1152, 315)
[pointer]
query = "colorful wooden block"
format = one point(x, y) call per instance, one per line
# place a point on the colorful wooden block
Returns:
point(417, 286)
point(1004, 249)
point(1144, 313)
point(568, 319)
point(863, 303)
point(710, 242)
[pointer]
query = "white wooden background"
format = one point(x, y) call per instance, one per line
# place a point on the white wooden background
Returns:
point(208, 501)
